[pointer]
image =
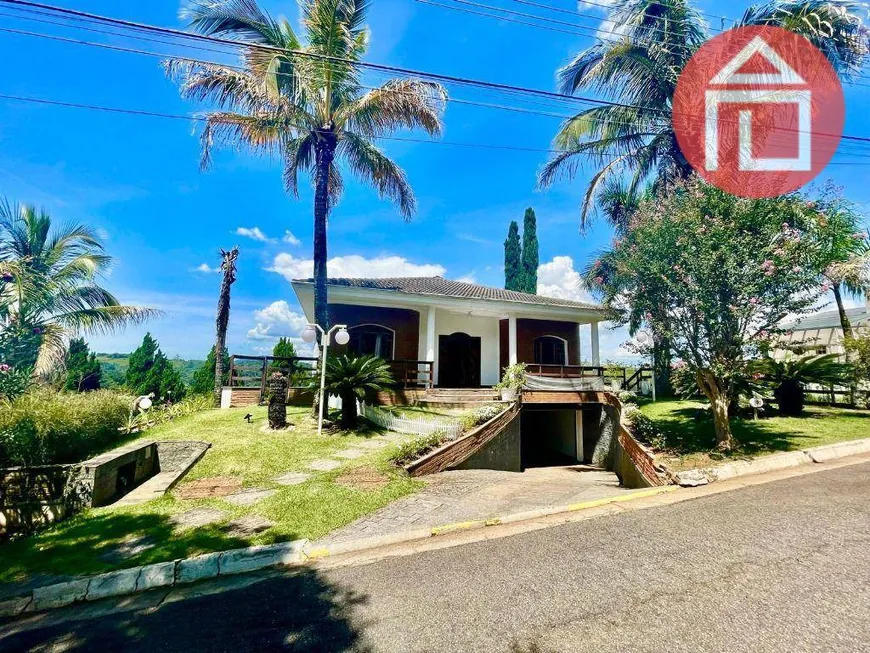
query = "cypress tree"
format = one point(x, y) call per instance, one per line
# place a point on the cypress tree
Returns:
point(203, 378)
point(529, 274)
point(513, 259)
point(83, 371)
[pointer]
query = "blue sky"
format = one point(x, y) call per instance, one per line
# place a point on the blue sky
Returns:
point(137, 178)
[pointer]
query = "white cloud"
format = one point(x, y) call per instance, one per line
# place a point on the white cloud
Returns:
point(275, 321)
point(558, 278)
point(290, 239)
point(254, 233)
point(468, 278)
point(290, 267)
point(205, 269)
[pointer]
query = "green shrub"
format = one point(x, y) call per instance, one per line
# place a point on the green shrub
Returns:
point(43, 426)
point(478, 416)
point(14, 381)
point(627, 397)
point(160, 414)
point(642, 427)
point(410, 450)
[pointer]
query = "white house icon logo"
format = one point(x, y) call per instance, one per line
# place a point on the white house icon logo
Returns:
point(775, 94)
point(763, 121)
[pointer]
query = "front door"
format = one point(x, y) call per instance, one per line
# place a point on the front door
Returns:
point(458, 361)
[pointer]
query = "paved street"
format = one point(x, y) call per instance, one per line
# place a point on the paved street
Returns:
point(477, 494)
point(783, 566)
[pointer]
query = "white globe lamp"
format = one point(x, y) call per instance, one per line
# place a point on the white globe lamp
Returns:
point(342, 337)
point(309, 335)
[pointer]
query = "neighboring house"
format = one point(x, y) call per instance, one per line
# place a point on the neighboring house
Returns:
point(821, 333)
point(454, 334)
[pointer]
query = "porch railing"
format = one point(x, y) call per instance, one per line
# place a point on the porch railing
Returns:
point(411, 374)
point(565, 371)
point(635, 382)
point(253, 371)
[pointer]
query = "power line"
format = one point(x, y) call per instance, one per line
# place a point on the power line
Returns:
point(507, 88)
point(173, 116)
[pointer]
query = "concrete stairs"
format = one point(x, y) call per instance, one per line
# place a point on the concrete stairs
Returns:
point(458, 397)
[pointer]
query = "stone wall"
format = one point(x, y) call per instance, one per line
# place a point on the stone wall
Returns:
point(31, 497)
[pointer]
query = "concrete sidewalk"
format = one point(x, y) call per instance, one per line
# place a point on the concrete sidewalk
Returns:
point(481, 494)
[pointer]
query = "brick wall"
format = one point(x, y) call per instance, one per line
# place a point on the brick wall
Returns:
point(405, 323)
point(528, 330)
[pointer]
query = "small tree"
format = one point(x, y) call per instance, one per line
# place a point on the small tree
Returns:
point(530, 253)
point(353, 378)
point(203, 379)
point(140, 364)
point(83, 371)
point(513, 270)
point(714, 275)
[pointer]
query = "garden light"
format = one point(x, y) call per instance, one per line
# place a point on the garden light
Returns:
point(342, 337)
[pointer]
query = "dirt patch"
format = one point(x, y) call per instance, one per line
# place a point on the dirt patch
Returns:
point(363, 478)
point(205, 488)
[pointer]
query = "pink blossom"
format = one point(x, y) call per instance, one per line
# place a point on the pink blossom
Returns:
point(599, 280)
point(754, 301)
point(4, 367)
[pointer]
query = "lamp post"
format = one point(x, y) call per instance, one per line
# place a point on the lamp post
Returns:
point(644, 338)
point(309, 336)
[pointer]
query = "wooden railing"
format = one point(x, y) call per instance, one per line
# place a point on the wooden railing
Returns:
point(410, 374)
point(565, 371)
point(635, 381)
point(253, 371)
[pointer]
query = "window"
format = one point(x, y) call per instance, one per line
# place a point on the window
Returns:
point(550, 350)
point(371, 339)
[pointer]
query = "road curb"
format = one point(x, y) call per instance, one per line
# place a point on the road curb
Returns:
point(184, 571)
point(772, 462)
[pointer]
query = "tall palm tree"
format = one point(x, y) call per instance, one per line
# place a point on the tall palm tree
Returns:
point(222, 321)
point(49, 287)
point(304, 100)
point(637, 67)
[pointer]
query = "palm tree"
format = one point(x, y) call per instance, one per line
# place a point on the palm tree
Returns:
point(788, 378)
point(305, 101)
point(222, 321)
point(353, 378)
point(49, 289)
point(637, 71)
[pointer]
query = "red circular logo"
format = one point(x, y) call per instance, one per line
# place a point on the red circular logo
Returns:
point(758, 111)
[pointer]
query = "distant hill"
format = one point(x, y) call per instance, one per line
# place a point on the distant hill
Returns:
point(115, 367)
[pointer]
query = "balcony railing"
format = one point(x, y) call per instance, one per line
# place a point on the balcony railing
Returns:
point(410, 374)
point(565, 371)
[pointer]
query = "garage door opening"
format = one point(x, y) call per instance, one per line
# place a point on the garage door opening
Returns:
point(551, 437)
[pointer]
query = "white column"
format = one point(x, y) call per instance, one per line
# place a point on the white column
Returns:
point(430, 343)
point(512, 339)
point(593, 331)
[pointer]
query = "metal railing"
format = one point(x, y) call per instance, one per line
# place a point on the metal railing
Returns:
point(565, 371)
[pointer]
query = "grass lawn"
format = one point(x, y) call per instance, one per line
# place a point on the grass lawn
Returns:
point(308, 510)
point(416, 412)
point(687, 431)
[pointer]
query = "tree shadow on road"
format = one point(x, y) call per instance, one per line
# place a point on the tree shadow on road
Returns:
point(294, 612)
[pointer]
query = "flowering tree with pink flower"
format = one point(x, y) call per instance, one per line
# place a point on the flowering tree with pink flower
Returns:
point(714, 275)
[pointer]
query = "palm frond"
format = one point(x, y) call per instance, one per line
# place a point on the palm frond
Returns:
point(371, 165)
point(407, 103)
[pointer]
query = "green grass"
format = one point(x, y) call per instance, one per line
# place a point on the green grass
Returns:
point(309, 510)
point(687, 431)
point(423, 411)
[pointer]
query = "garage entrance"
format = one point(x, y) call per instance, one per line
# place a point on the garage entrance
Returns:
point(551, 436)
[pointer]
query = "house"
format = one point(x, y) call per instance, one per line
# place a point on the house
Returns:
point(821, 333)
point(452, 334)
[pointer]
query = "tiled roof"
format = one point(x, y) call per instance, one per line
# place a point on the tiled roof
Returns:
point(449, 288)
point(827, 320)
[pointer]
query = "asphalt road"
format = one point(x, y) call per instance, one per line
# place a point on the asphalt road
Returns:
point(783, 566)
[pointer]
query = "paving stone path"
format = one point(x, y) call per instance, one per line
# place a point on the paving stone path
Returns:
point(249, 496)
point(198, 517)
point(349, 454)
point(292, 478)
point(324, 464)
point(248, 525)
point(474, 494)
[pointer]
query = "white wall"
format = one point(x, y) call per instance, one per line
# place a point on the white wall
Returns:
point(484, 327)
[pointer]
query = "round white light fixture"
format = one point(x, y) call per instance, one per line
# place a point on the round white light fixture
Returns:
point(309, 335)
point(642, 338)
point(342, 337)
point(756, 402)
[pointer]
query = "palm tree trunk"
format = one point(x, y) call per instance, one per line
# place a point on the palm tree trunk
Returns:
point(228, 265)
point(844, 319)
point(846, 325)
point(324, 153)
